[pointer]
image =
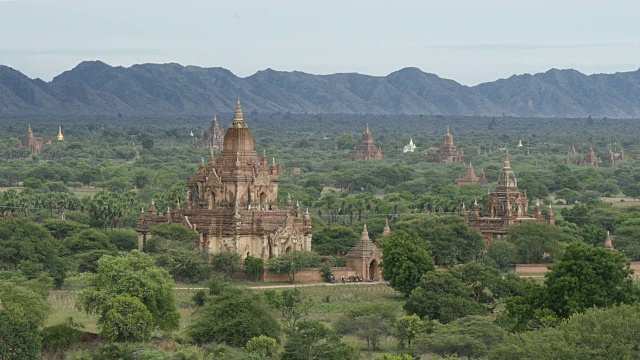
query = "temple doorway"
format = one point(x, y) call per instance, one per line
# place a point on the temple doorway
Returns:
point(373, 270)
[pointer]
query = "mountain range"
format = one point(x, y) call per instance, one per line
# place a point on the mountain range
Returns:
point(94, 87)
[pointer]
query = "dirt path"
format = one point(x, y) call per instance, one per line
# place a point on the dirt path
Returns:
point(280, 286)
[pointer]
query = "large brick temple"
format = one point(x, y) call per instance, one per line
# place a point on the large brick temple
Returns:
point(447, 152)
point(232, 202)
point(367, 149)
point(507, 206)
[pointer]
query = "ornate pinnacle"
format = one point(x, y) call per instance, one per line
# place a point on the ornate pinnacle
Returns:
point(238, 118)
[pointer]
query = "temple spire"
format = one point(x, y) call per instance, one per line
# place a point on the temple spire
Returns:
point(60, 136)
point(507, 163)
point(238, 118)
point(608, 244)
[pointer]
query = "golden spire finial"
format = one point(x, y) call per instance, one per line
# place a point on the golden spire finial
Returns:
point(60, 136)
point(238, 118)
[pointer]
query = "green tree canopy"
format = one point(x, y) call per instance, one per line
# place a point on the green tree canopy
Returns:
point(134, 275)
point(405, 258)
point(314, 340)
point(22, 240)
point(291, 263)
point(233, 316)
point(442, 296)
point(450, 239)
point(536, 242)
point(368, 321)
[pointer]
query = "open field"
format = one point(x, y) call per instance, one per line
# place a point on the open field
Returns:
point(329, 302)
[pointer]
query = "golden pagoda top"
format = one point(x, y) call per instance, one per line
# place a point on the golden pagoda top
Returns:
point(60, 136)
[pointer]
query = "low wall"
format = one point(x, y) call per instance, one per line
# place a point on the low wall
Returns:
point(308, 275)
point(541, 269)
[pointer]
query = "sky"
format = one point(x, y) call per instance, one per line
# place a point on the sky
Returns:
point(468, 41)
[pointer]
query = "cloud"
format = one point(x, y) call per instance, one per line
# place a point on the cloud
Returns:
point(523, 46)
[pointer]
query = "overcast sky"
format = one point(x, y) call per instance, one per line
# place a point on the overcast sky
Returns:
point(468, 41)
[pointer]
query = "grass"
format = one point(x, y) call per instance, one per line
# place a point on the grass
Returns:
point(329, 303)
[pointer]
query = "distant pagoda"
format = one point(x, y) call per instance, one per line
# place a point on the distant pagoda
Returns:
point(507, 206)
point(470, 178)
point(367, 149)
point(447, 152)
point(590, 159)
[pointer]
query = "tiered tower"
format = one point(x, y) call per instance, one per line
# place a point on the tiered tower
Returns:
point(367, 149)
point(232, 202)
point(448, 151)
point(505, 207)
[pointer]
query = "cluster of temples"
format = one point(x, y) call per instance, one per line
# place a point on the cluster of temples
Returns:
point(211, 138)
point(34, 144)
point(232, 202)
point(507, 206)
point(367, 149)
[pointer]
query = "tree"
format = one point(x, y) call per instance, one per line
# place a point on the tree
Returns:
point(470, 336)
point(450, 239)
point(406, 328)
point(368, 321)
point(254, 267)
point(183, 260)
point(501, 254)
point(174, 232)
point(22, 240)
point(535, 242)
point(263, 346)
point(291, 263)
point(233, 316)
point(87, 240)
point(589, 277)
point(23, 310)
point(292, 305)
point(313, 340)
point(483, 280)
point(598, 333)
point(127, 320)
point(226, 262)
point(334, 240)
point(133, 275)
point(442, 296)
point(405, 259)
point(19, 336)
point(61, 229)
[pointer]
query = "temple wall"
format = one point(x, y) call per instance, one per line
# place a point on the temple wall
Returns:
point(541, 269)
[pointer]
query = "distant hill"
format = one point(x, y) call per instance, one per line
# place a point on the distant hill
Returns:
point(94, 87)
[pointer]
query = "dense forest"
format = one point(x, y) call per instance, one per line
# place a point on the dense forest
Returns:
point(67, 242)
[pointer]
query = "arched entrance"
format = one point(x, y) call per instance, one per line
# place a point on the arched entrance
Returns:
point(288, 249)
point(212, 200)
point(263, 201)
point(373, 270)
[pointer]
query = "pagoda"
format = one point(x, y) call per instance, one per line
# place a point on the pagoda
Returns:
point(32, 143)
point(367, 149)
point(60, 137)
point(410, 147)
point(212, 138)
point(447, 152)
point(507, 206)
point(470, 178)
point(232, 202)
point(365, 258)
point(590, 159)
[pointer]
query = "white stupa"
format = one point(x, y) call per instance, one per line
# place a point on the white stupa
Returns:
point(410, 147)
point(520, 143)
